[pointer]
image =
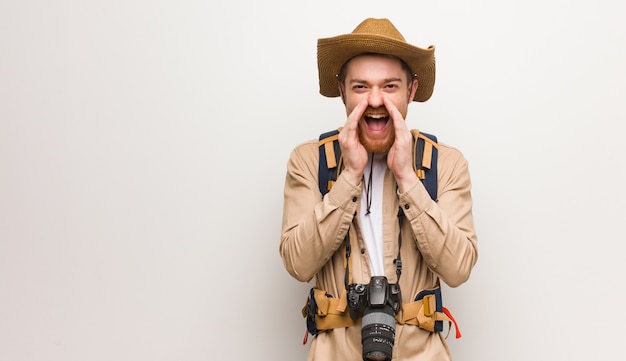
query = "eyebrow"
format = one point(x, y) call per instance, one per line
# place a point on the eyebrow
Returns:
point(388, 80)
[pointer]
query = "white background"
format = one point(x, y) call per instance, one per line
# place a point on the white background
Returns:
point(143, 147)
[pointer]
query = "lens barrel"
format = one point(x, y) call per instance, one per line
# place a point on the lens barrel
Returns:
point(378, 332)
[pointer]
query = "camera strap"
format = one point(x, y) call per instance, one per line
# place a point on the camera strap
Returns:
point(346, 242)
point(397, 261)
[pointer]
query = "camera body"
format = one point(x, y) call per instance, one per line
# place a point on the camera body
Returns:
point(377, 302)
point(375, 294)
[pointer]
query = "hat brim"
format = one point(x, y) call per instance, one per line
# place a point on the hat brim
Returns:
point(333, 52)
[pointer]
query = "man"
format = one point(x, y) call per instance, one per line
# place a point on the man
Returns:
point(377, 226)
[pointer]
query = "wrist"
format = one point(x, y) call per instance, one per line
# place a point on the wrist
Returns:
point(351, 176)
point(406, 182)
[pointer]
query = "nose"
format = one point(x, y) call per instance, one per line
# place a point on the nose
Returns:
point(375, 98)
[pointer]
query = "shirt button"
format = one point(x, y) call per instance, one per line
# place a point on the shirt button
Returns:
point(406, 206)
point(354, 199)
point(362, 250)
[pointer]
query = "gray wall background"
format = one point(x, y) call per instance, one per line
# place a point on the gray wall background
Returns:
point(142, 155)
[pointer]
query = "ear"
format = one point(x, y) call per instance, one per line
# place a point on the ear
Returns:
point(414, 85)
point(341, 92)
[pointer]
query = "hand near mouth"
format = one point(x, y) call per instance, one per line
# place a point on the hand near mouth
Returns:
point(353, 152)
point(400, 156)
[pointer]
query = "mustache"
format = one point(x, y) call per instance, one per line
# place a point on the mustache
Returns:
point(380, 111)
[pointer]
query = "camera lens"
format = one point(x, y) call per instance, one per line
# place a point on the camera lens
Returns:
point(378, 331)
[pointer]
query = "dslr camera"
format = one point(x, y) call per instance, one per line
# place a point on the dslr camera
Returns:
point(377, 303)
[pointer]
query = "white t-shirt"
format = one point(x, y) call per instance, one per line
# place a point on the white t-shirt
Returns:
point(372, 223)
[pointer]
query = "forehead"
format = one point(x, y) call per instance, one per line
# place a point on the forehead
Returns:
point(372, 66)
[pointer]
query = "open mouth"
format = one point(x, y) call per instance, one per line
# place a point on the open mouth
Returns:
point(376, 122)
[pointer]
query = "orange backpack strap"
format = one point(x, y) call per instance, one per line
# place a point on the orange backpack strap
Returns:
point(425, 158)
point(426, 312)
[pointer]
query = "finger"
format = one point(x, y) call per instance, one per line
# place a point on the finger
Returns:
point(394, 113)
point(357, 113)
point(403, 135)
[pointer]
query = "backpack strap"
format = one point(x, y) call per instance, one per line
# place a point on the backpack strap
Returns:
point(425, 160)
point(425, 156)
point(330, 160)
point(427, 312)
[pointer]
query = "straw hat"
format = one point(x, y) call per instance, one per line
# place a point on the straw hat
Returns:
point(374, 36)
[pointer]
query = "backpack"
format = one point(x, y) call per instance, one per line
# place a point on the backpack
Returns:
point(425, 164)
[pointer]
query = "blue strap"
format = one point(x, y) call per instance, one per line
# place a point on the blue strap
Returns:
point(430, 182)
point(324, 173)
point(438, 304)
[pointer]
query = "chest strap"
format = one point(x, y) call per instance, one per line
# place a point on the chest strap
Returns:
point(324, 312)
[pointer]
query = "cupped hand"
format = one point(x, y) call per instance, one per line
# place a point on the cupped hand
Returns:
point(400, 156)
point(352, 151)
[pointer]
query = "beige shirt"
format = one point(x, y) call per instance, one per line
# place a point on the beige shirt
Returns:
point(438, 240)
